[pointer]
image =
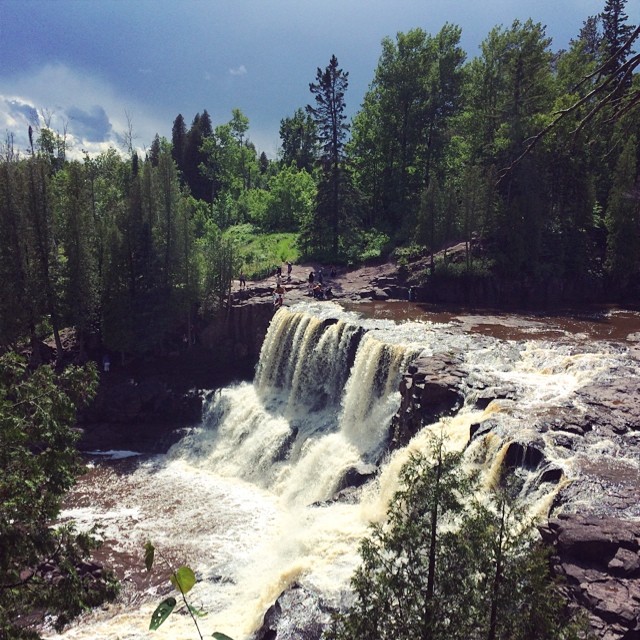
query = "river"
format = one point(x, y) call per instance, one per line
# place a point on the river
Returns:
point(245, 498)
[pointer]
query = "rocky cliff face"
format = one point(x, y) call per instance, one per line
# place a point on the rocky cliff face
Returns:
point(599, 558)
point(144, 405)
point(238, 336)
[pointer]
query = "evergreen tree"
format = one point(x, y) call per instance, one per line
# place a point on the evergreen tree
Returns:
point(328, 115)
point(71, 203)
point(444, 566)
point(40, 221)
point(201, 129)
point(179, 141)
point(154, 151)
point(615, 33)
point(263, 163)
point(21, 303)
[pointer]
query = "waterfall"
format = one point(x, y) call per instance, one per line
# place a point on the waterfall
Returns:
point(321, 403)
point(247, 497)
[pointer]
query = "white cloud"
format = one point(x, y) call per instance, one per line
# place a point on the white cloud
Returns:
point(238, 71)
point(88, 109)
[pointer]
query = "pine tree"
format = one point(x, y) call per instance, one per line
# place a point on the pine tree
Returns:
point(178, 141)
point(72, 206)
point(615, 33)
point(154, 151)
point(200, 131)
point(447, 567)
point(328, 115)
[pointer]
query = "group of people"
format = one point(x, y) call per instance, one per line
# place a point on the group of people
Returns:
point(279, 290)
point(315, 284)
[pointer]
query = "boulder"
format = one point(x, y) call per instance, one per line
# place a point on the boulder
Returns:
point(297, 614)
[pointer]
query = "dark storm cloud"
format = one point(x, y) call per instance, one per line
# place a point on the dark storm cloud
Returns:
point(92, 125)
point(25, 110)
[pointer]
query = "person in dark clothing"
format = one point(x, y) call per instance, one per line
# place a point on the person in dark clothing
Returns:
point(311, 279)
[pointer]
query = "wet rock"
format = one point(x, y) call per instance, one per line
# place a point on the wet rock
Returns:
point(528, 456)
point(380, 294)
point(429, 391)
point(551, 474)
point(149, 400)
point(480, 429)
point(356, 477)
point(285, 447)
point(297, 614)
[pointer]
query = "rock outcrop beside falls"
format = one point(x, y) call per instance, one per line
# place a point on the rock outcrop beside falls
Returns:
point(599, 559)
point(298, 614)
point(596, 534)
point(430, 389)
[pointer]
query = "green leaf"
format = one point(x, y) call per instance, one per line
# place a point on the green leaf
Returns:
point(183, 579)
point(220, 636)
point(197, 612)
point(162, 612)
point(149, 555)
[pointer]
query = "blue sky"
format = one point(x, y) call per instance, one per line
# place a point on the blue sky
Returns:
point(90, 65)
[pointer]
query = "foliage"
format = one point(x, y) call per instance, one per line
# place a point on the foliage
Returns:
point(623, 218)
point(40, 565)
point(445, 565)
point(220, 265)
point(183, 580)
point(515, 147)
point(362, 245)
point(322, 232)
point(299, 145)
point(260, 253)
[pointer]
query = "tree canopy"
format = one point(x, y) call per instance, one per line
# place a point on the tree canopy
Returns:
point(40, 565)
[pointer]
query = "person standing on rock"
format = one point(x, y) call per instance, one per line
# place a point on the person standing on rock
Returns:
point(289, 268)
point(311, 279)
point(243, 282)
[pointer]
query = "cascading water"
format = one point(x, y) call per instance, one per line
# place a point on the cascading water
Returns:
point(246, 498)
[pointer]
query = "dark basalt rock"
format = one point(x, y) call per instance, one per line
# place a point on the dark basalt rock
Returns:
point(430, 390)
point(285, 447)
point(354, 477)
point(600, 560)
point(527, 456)
point(297, 614)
